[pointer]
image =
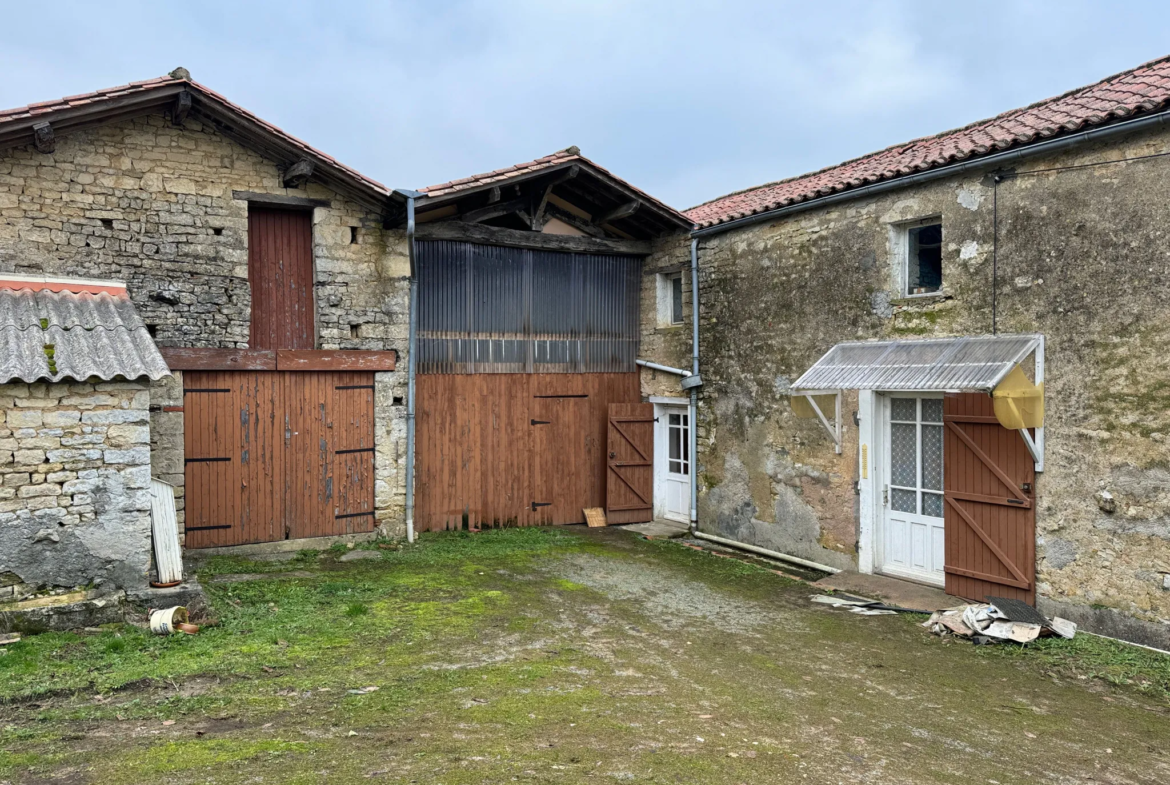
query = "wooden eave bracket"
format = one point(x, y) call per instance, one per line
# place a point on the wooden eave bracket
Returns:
point(299, 173)
point(43, 138)
point(181, 108)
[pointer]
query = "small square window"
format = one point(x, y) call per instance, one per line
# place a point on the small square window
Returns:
point(924, 259)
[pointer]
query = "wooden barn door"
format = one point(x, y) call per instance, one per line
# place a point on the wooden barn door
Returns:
point(277, 455)
point(280, 270)
point(630, 463)
point(329, 454)
point(990, 510)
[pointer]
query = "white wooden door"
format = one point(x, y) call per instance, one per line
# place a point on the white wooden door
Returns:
point(672, 463)
point(913, 534)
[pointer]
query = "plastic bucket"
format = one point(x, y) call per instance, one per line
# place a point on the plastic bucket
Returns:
point(163, 622)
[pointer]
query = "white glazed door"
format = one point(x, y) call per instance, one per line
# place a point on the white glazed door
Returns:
point(672, 463)
point(913, 534)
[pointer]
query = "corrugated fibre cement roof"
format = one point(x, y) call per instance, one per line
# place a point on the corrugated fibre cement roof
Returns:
point(69, 335)
point(964, 364)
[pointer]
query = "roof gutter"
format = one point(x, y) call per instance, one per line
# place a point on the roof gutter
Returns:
point(995, 159)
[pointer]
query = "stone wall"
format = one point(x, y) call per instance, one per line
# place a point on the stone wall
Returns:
point(1082, 258)
point(666, 344)
point(75, 483)
point(152, 204)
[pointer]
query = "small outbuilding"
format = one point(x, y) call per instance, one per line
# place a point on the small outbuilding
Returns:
point(76, 362)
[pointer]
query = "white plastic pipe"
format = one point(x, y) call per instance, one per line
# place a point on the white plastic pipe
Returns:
point(812, 565)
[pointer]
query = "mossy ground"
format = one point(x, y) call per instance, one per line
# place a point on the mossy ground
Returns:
point(565, 656)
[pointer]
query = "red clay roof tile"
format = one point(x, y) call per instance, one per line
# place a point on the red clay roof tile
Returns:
point(1142, 89)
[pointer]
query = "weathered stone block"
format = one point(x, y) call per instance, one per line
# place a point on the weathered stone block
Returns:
point(133, 456)
point(31, 418)
point(28, 457)
point(61, 418)
point(44, 489)
point(115, 416)
point(126, 435)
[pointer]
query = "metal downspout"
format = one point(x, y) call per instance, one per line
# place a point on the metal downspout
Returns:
point(411, 362)
point(694, 419)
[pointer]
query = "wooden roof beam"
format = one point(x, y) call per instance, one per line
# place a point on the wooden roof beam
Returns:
point(621, 211)
point(299, 173)
point(43, 138)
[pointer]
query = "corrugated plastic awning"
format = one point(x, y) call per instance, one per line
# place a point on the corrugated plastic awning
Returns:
point(966, 364)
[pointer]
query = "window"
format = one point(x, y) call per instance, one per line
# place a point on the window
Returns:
point(678, 444)
point(923, 258)
point(916, 456)
point(670, 299)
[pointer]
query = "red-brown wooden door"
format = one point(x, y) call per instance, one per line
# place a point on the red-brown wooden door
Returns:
point(630, 463)
point(989, 477)
point(277, 455)
point(280, 271)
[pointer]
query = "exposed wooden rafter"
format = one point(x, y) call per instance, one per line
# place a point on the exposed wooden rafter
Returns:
point(43, 138)
point(299, 173)
point(181, 108)
point(621, 211)
point(517, 238)
point(495, 210)
point(538, 208)
point(553, 210)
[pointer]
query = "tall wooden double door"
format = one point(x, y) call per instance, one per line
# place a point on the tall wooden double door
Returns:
point(530, 449)
point(274, 455)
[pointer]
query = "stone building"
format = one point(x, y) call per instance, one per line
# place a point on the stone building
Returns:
point(75, 378)
point(999, 290)
point(1045, 221)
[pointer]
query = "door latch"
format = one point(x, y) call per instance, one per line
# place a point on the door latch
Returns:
point(885, 495)
point(540, 504)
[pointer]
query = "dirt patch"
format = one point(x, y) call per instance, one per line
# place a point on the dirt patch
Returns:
point(669, 598)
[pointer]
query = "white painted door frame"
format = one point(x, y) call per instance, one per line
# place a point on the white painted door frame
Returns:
point(665, 482)
point(873, 468)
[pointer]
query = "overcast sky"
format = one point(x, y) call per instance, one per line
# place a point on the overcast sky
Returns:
point(687, 100)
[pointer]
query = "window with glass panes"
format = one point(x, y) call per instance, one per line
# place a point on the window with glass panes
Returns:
point(916, 456)
point(678, 444)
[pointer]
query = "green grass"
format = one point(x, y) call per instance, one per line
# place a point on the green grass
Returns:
point(496, 657)
point(1092, 657)
point(282, 622)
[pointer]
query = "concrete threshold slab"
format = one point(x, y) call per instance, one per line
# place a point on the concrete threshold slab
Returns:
point(893, 591)
point(275, 551)
point(660, 528)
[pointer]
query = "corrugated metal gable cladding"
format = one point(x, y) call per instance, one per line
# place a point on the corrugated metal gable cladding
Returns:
point(92, 335)
point(967, 364)
point(488, 309)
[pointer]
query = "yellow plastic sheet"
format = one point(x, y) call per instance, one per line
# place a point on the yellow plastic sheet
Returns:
point(802, 408)
point(1018, 403)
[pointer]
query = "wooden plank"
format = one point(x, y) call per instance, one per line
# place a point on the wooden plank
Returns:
point(210, 359)
point(279, 200)
point(335, 360)
point(990, 541)
point(280, 271)
point(478, 451)
point(630, 477)
point(516, 238)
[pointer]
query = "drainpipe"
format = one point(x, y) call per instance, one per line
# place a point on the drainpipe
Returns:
point(411, 344)
point(694, 383)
